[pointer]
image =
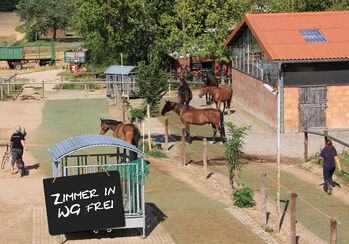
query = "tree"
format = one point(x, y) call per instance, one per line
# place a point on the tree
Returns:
point(8, 5)
point(114, 26)
point(234, 153)
point(45, 15)
point(152, 83)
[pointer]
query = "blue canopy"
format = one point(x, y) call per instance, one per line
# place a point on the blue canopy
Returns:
point(76, 143)
point(116, 70)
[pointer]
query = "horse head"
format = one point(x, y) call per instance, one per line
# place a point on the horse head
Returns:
point(104, 127)
point(168, 107)
point(203, 91)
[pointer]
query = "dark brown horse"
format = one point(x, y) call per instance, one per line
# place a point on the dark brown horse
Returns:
point(184, 93)
point(220, 94)
point(190, 115)
point(127, 132)
point(209, 81)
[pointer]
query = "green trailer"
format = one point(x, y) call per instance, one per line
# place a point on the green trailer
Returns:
point(16, 56)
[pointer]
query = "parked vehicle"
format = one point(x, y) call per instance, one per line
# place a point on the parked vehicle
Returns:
point(17, 56)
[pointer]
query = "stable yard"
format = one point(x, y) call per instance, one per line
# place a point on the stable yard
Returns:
point(189, 216)
point(312, 217)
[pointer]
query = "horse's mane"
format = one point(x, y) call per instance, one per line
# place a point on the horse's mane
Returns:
point(181, 105)
point(110, 121)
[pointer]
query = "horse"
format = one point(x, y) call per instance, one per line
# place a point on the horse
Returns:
point(209, 81)
point(190, 115)
point(127, 132)
point(220, 94)
point(184, 93)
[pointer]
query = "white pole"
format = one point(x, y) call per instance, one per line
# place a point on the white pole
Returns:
point(278, 164)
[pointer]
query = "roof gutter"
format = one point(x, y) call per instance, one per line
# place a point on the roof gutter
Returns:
point(311, 60)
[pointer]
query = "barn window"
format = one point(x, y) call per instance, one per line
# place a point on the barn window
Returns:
point(313, 35)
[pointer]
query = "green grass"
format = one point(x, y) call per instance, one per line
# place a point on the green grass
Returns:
point(190, 217)
point(307, 216)
point(63, 119)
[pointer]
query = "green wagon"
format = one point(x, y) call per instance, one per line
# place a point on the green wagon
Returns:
point(16, 56)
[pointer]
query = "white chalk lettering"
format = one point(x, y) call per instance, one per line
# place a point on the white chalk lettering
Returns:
point(74, 209)
point(73, 196)
point(56, 202)
point(60, 212)
point(109, 190)
point(108, 204)
point(95, 206)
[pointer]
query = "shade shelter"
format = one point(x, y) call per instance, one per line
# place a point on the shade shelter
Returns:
point(124, 77)
point(67, 162)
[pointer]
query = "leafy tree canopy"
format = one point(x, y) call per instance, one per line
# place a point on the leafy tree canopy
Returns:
point(8, 5)
point(45, 15)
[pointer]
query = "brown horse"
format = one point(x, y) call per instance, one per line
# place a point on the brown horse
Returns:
point(220, 94)
point(184, 93)
point(127, 132)
point(209, 81)
point(190, 115)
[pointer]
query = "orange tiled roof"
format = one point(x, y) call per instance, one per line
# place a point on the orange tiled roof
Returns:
point(278, 34)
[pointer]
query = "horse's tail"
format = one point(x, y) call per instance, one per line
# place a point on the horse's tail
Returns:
point(221, 123)
point(135, 140)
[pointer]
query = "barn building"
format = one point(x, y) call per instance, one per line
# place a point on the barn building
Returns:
point(125, 78)
point(306, 55)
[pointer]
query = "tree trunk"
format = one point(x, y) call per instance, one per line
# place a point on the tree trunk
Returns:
point(54, 33)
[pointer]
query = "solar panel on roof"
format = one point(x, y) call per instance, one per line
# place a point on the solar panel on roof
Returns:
point(313, 35)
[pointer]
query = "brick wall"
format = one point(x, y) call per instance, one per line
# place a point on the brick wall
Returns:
point(337, 112)
point(291, 112)
point(253, 97)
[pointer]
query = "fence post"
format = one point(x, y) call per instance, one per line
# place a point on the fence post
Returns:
point(293, 218)
point(183, 147)
point(205, 157)
point(1, 92)
point(264, 201)
point(333, 230)
point(85, 90)
point(305, 146)
point(43, 89)
point(149, 135)
point(166, 134)
point(61, 81)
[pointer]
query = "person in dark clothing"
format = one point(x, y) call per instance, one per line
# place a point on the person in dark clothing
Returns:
point(329, 155)
point(17, 143)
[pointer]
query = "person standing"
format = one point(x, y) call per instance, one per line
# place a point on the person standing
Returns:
point(329, 155)
point(17, 143)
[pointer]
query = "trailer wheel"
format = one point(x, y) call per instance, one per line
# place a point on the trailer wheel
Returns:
point(10, 65)
point(52, 63)
point(42, 62)
point(18, 66)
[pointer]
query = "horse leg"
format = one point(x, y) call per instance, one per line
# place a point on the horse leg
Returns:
point(228, 106)
point(224, 107)
point(207, 98)
point(214, 128)
point(187, 133)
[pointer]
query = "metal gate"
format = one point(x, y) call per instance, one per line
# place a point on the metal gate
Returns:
point(131, 178)
point(312, 107)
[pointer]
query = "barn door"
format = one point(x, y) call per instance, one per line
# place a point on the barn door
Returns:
point(312, 107)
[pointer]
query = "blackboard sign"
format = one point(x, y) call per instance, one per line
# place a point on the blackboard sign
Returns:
point(84, 202)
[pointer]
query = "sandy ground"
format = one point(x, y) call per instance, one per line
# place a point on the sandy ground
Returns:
point(19, 195)
point(8, 23)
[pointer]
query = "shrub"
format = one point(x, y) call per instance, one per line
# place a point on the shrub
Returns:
point(243, 197)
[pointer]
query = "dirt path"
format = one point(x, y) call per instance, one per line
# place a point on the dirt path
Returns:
point(19, 195)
